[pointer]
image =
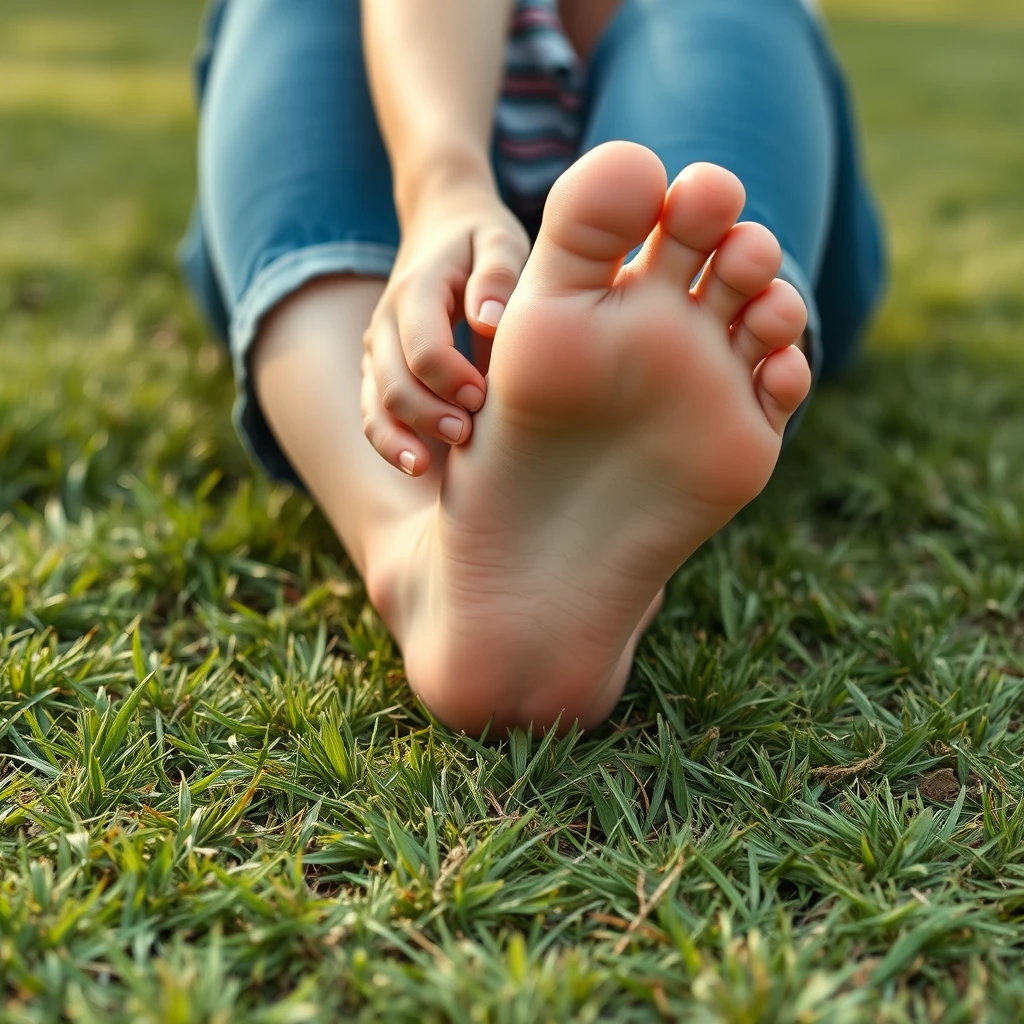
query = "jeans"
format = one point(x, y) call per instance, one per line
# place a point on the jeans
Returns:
point(294, 180)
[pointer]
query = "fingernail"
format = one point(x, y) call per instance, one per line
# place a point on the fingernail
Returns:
point(451, 427)
point(490, 312)
point(470, 397)
point(407, 462)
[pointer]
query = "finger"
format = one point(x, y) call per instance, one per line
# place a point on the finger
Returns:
point(406, 399)
point(428, 347)
point(390, 437)
point(498, 260)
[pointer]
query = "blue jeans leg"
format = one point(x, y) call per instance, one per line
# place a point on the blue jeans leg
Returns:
point(294, 180)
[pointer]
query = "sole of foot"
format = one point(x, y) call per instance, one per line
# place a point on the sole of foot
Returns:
point(629, 417)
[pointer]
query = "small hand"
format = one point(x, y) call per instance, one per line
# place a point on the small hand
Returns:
point(460, 256)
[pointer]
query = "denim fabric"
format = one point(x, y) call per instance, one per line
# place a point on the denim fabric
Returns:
point(294, 181)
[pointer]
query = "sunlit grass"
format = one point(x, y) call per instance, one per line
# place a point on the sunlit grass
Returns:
point(134, 96)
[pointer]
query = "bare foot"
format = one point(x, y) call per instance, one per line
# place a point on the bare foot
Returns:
point(628, 418)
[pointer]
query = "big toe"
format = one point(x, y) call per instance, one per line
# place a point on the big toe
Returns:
point(600, 209)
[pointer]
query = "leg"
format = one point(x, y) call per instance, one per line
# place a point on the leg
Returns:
point(298, 224)
point(585, 21)
point(518, 575)
point(853, 267)
point(307, 373)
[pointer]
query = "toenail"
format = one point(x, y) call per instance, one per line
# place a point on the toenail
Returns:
point(490, 312)
point(451, 428)
point(470, 397)
point(407, 462)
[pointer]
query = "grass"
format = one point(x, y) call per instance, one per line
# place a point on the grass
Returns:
point(218, 799)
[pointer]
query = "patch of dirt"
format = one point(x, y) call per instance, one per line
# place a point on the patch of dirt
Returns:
point(942, 786)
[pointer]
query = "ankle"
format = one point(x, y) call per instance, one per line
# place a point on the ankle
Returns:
point(395, 567)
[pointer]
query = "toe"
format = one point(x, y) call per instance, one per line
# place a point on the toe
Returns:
point(602, 207)
point(773, 320)
point(742, 267)
point(702, 205)
point(782, 382)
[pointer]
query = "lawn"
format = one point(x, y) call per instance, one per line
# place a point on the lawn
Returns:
point(218, 799)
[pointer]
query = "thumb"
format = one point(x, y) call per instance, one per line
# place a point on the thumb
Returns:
point(498, 260)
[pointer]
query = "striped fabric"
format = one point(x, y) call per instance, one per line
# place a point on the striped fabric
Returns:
point(538, 119)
